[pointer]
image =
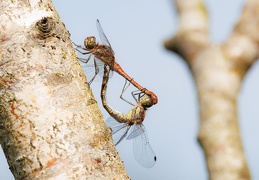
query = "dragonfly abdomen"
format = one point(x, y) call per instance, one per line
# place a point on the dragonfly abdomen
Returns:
point(119, 70)
point(120, 117)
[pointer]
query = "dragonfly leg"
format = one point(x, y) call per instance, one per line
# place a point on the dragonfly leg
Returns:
point(96, 72)
point(81, 47)
point(84, 53)
point(85, 60)
point(123, 136)
point(123, 90)
point(137, 93)
point(125, 87)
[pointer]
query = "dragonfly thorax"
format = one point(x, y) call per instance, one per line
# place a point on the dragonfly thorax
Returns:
point(105, 54)
point(90, 42)
point(136, 115)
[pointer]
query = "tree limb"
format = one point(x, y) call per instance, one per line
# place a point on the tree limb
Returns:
point(218, 71)
point(241, 48)
point(50, 124)
point(192, 35)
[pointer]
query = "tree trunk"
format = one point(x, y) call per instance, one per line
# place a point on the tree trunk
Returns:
point(50, 124)
point(218, 70)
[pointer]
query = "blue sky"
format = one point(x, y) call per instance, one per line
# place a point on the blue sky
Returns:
point(136, 31)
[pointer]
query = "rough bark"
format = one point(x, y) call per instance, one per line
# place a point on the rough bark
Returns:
point(50, 124)
point(218, 70)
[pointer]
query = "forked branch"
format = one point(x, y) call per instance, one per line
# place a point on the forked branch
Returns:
point(218, 70)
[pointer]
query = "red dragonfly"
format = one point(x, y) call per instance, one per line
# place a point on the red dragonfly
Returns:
point(130, 125)
point(105, 53)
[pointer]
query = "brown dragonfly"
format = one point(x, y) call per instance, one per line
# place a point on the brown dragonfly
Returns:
point(130, 126)
point(105, 54)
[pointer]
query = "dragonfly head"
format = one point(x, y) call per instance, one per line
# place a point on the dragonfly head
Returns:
point(90, 42)
point(146, 101)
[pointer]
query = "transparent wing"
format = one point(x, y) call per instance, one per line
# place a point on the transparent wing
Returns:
point(143, 152)
point(90, 69)
point(103, 37)
point(119, 130)
point(135, 131)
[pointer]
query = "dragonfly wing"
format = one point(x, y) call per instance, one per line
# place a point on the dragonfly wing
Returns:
point(135, 131)
point(103, 37)
point(119, 130)
point(143, 152)
point(114, 125)
point(90, 69)
point(102, 72)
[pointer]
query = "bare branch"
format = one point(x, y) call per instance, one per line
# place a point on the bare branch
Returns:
point(218, 71)
point(192, 34)
point(242, 46)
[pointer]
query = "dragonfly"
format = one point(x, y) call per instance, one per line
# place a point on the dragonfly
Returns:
point(130, 126)
point(105, 54)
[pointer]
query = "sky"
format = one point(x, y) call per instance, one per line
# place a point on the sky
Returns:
point(136, 31)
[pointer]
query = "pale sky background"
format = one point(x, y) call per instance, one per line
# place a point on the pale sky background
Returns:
point(136, 30)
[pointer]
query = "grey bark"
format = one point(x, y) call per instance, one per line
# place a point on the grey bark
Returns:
point(50, 124)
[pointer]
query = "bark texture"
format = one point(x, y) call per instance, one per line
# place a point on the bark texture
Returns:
point(218, 70)
point(50, 124)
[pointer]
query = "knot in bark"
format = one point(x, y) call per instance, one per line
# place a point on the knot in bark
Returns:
point(45, 28)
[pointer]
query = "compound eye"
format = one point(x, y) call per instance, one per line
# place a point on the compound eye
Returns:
point(90, 42)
